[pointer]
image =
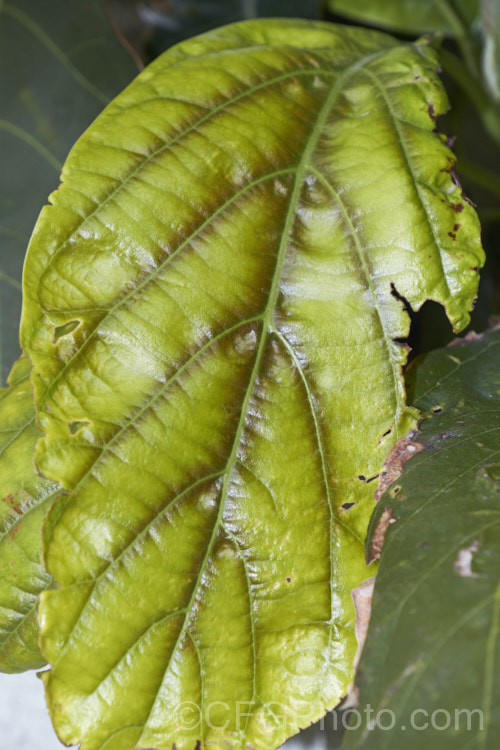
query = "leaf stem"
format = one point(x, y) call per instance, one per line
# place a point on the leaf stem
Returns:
point(250, 9)
point(461, 33)
point(487, 110)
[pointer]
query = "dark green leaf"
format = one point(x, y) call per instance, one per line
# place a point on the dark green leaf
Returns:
point(182, 19)
point(59, 65)
point(433, 643)
point(411, 16)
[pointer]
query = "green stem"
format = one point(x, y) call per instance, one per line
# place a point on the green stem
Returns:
point(461, 34)
point(487, 110)
point(250, 9)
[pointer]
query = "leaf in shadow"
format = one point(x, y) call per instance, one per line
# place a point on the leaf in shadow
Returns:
point(60, 65)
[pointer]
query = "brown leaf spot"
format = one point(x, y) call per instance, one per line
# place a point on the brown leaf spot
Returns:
point(378, 538)
point(12, 502)
point(471, 337)
point(457, 182)
point(403, 450)
point(14, 533)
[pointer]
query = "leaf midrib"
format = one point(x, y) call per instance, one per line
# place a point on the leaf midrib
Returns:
point(152, 275)
point(168, 144)
point(265, 333)
point(49, 389)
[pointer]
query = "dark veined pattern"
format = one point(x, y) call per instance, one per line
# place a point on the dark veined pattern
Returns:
point(211, 319)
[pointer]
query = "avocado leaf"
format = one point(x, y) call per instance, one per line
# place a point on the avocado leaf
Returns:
point(24, 501)
point(214, 306)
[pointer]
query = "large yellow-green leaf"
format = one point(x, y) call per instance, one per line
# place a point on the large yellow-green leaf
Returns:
point(431, 655)
point(213, 310)
point(25, 499)
point(411, 16)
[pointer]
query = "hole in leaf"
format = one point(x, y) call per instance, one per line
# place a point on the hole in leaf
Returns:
point(75, 426)
point(406, 305)
point(346, 506)
point(66, 328)
point(430, 329)
point(437, 409)
point(395, 490)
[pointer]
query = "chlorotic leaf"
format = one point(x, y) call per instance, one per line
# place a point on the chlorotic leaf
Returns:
point(410, 16)
point(433, 642)
point(24, 501)
point(60, 63)
point(213, 305)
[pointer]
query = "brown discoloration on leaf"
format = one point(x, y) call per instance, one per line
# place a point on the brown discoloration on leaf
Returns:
point(471, 337)
point(457, 207)
point(403, 450)
point(378, 538)
point(13, 533)
point(13, 503)
point(457, 182)
point(453, 174)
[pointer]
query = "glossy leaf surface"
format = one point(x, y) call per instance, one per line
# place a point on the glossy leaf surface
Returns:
point(60, 63)
point(411, 16)
point(25, 499)
point(433, 642)
point(211, 313)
